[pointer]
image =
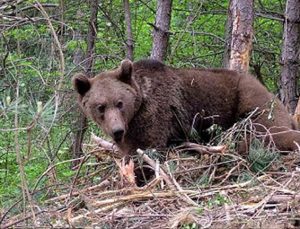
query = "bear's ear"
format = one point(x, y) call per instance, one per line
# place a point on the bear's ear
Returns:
point(125, 71)
point(81, 83)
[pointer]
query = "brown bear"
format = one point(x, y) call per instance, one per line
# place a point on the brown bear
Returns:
point(147, 104)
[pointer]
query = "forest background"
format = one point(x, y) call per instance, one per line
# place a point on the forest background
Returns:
point(44, 43)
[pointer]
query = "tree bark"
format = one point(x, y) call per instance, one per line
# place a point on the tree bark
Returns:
point(161, 30)
point(129, 43)
point(228, 37)
point(91, 37)
point(242, 33)
point(81, 124)
point(290, 55)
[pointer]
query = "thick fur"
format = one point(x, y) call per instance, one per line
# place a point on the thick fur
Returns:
point(147, 104)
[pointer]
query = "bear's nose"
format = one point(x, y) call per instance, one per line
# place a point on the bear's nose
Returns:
point(118, 134)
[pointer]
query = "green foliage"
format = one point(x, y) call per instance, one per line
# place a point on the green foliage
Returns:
point(218, 200)
point(29, 60)
point(194, 135)
point(72, 45)
point(260, 157)
point(172, 166)
point(190, 226)
point(267, 43)
point(244, 176)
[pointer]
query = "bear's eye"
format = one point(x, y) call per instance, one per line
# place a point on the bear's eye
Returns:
point(120, 105)
point(101, 108)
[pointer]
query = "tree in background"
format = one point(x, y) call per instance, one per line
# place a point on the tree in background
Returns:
point(129, 43)
point(240, 21)
point(29, 58)
point(290, 56)
point(81, 123)
point(161, 29)
point(228, 36)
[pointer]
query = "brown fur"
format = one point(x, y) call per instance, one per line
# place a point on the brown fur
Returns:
point(148, 104)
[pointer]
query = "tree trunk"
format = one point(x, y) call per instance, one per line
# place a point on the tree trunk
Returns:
point(91, 37)
point(290, 55)
point(242, 33)
point(81, 124)
point(161, 30)
point(129, 43)
point(228, 37)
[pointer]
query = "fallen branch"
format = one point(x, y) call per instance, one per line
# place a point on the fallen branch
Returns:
point(284, 198)
point(162, 173)
point(202, 149)
point(173, 185)
point(84, 159)
point(102, 185)
point(106, 145)
point(109, 204)
point(9, 225)
point(52, 167)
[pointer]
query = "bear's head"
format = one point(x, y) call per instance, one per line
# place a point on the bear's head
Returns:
point(111, 99)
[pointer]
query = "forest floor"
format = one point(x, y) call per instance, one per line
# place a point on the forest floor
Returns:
point(195, 186)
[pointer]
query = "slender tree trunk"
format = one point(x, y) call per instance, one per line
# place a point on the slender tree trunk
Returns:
point(81, 124)
point(62, 13)
point(228, 37)
point(129, 43)
point(91, 37)
point(242, 33)
point(290, 55)
point(161, 29)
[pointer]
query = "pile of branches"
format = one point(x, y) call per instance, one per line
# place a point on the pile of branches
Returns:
point(195, 186)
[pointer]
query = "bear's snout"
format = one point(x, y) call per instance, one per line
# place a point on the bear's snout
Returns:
point(118, 134)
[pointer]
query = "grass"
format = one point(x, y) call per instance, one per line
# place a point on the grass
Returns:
point(35, 161)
